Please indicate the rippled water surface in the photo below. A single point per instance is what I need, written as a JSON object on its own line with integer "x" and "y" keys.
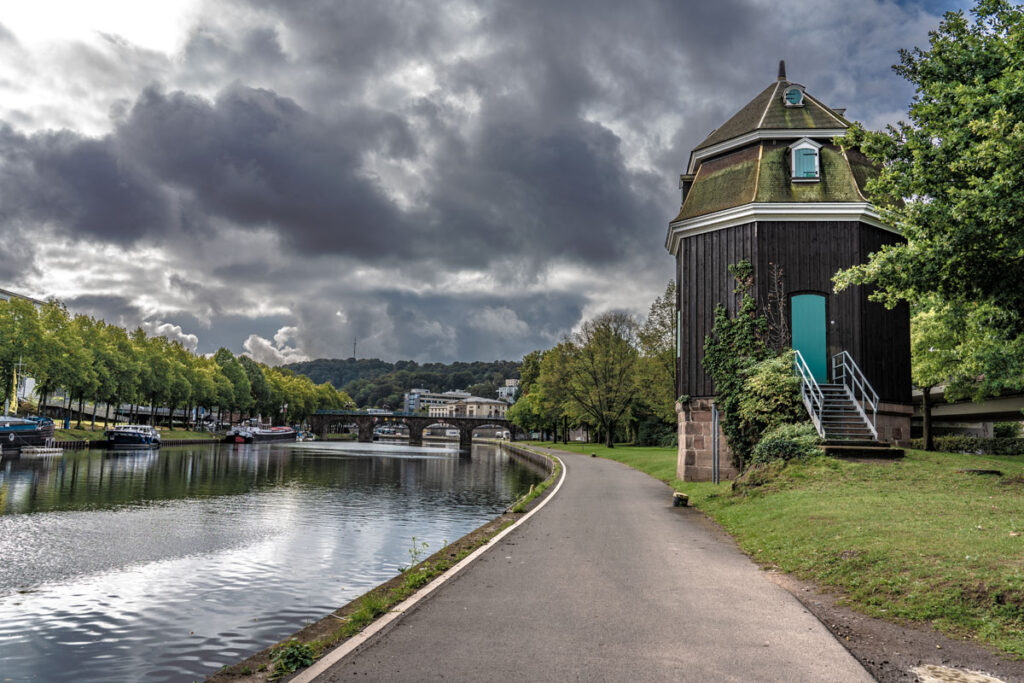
{"x": 165, "y": 566}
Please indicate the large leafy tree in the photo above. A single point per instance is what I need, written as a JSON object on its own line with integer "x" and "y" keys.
{"x": 20, "y": 333}
{"x": 657, "y": 366}
{"x": 602, "y": 359}
{"x": 951, "y": 178}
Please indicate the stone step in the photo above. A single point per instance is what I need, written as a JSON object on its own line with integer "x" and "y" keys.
{"x": 876, "y": 451}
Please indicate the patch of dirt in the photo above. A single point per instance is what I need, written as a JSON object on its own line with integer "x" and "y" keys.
{"x": 890, "y": 652}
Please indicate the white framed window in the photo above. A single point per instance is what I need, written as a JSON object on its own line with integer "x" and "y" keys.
{"x": 805, "y": 160}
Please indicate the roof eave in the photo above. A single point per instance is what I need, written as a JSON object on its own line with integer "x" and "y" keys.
{"x": 864, "y": 212}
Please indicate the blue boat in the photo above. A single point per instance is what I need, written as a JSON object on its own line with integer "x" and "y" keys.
{"x": 16, "y": 432}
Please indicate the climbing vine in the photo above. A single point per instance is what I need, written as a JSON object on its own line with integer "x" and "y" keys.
{"x": 733, "y": 348}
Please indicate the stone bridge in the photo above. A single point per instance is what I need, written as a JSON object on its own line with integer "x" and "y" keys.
{"x": 324, "y": 422}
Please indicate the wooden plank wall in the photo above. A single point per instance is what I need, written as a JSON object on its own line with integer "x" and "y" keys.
{"x": 809, "y": 253}
{"x": 885, "y": 334}
{"x": 704, "y": 282}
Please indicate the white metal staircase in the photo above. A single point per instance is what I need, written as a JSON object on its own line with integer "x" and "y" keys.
{"x": 845, "y": 410}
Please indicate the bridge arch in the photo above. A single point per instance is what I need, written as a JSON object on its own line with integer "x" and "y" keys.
{"x": 323, "y": 420}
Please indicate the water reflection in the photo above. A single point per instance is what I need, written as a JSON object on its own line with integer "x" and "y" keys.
{"x": 167, "y": 565}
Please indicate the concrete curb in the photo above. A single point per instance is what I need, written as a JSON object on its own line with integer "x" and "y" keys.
{"x": 384, "y": 623}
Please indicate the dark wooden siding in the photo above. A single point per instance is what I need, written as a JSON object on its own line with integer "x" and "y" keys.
{"x": 885, "y": 334}
{"x": 809, "y": 253}
{"x": 704, "y": 282}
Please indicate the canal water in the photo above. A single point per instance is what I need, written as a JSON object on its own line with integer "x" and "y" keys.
{"x": 167, "y": 565}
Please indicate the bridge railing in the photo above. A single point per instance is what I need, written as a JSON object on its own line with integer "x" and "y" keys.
{"x": 364, "y": 413}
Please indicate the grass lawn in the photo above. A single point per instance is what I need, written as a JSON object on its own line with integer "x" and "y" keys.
{"x": 912, "y": 540}
{"x": 86, "y": 434}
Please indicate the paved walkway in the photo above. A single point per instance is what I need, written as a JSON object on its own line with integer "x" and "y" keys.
{"x": 608, "y": 582}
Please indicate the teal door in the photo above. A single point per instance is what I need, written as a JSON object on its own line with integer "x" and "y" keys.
{"x": 808, "y": 320}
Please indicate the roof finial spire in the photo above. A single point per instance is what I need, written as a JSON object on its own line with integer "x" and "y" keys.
{"x": 782, "y": 69}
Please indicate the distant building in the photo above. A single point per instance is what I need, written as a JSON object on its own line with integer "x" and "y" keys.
{"x": 417, "y": 400}
{"x": 507, "y": 393}
{"x": 472, "y": 406}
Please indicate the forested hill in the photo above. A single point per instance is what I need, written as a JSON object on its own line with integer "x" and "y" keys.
{"x": 375, "y": 383}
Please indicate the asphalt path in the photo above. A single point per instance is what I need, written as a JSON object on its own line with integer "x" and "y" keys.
{"x": 608, "y": 582}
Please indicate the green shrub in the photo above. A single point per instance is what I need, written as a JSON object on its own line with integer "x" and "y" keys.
{"x": 786, "y": 442}
{"x": 291, "y": 657}
{"x": 975, "y": 445}
{"x": 1006, "y": 430}
{"x": 771, "y": 394}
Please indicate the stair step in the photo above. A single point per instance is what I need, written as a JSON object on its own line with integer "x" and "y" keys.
{"x": 876, "y": 451}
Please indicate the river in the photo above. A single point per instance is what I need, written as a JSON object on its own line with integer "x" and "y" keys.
{"x": 167, "y": 565}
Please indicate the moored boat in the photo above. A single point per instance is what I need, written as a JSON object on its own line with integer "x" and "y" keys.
{"x": 16, "y": 432}
{"x": 259, "y": 434}
{"x": 132, "y": 436}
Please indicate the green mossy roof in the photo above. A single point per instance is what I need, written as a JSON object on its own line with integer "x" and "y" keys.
{"x": 761, "y": 173}
{"x": 768, "y": 111}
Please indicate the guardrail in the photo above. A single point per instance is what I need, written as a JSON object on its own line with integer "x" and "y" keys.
{"x": 845, "y": 371}
{"x": 810, "y": 392}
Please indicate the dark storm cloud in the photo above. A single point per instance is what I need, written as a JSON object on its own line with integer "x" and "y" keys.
{"x": 417, "y": 140}
{"x": 261, "y": 161}
{"x": 116, "y": 310}
{"x": 80, "y": 184}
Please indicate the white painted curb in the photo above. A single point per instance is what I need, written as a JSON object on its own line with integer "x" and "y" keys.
{"x": 355, "y": 642}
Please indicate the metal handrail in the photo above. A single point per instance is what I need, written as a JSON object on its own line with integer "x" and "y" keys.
{"x": 845, "y": 371}
{"x": 810, "y": 392}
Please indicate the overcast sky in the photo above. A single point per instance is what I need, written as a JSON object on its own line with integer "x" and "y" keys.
{"x": 439, "y": 180}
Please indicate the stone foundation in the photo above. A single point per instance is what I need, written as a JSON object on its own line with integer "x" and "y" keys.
{"x": 893, "y": 423}
{"x": 695, "y": 460}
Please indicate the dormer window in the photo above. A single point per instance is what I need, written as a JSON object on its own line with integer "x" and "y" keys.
{"x": 793, "y": 95}
{"x": 805, "y": 160}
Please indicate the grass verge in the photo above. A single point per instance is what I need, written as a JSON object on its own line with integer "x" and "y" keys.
{"x": 86, "y": 434}
{"x": 912, "y": 540}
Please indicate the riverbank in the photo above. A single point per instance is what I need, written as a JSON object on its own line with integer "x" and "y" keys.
{"x": 920, "y": 540}
{"x": 328, "y": 633}
{"x": 97, "y": 434}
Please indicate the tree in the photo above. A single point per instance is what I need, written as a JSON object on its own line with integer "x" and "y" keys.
{"x": 656, "y": 371}
{"x": 933, "y": 360}
{"x": 20, "y": 334}
{"x": 551, "y": 389}
{"x": 241, "y": 396}
{"x": 951, "y": 178}
{"x": 49, "y": 365}
{"x": 602, "y": 359}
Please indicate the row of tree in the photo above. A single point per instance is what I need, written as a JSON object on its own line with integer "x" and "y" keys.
{"x": 615, "y": 377}
{"x": 91, "y": 360}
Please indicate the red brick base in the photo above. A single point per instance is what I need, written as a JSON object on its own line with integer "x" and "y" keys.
{"x": 695, "y": 460}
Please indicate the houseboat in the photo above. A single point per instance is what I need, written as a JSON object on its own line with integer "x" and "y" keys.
{"x": 132, "y": 436}
{"x": 259, "y": 434}
{"x": 16, "y": 432}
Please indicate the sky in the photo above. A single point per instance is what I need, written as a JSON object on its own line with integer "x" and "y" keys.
{"x": 434, "y": 181}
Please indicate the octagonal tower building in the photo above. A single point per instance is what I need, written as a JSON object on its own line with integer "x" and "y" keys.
{"x": 771, "y": 185}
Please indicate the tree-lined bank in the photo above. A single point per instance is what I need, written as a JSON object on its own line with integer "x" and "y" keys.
{"x": 92, "y": 360}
